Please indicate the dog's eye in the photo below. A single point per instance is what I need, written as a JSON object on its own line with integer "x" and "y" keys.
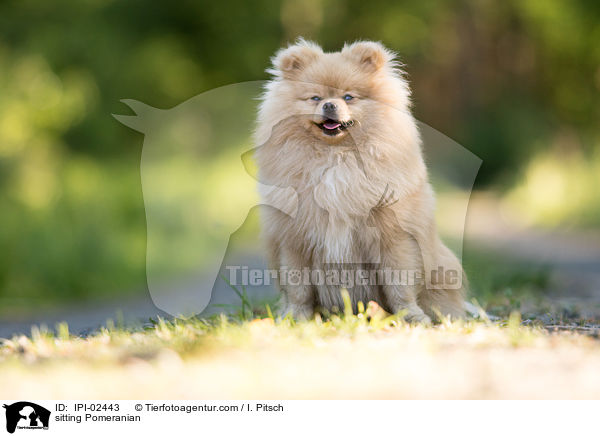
{"x": 315, "y": 98}
{"x": 348, "y": 97}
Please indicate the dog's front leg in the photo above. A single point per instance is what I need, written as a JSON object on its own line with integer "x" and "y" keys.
{"x": 401, "y": 288}
{"x": 401, "y": 258}
{"x": 298, "y": 297}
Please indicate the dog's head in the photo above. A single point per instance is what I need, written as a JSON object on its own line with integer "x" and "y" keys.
{"x": 333, "y": 97}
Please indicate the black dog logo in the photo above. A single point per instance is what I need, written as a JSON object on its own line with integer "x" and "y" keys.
{"x": 26, "y": 415}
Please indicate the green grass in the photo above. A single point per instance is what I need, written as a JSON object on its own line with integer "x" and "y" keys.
{"x": 558, "y": 189}
{"x": 502, "y": 285}
{"x": 251, "y": 354}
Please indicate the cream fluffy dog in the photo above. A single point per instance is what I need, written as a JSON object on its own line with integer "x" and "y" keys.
{"x": 337, "y": 128}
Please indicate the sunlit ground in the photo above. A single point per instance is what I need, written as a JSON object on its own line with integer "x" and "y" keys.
{"x": 371, "y": 355}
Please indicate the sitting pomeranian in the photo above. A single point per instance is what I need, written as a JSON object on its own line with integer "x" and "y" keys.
{"x": 337, "y": 128}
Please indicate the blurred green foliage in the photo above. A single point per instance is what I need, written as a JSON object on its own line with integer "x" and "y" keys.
{"x": 505, "y": 79}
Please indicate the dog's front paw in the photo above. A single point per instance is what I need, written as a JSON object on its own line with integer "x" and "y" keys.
{"x": 418, "y": 318}
{"x": 412, "y": 313}
{"x": 299, "y": 312}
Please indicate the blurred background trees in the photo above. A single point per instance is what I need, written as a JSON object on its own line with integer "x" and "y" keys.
{"x": 516, "y": 82}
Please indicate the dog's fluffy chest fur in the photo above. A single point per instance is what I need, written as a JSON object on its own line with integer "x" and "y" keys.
{"x": 335, "y": 199}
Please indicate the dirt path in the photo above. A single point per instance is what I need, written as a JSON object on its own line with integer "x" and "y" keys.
{"x": 572, "y": 257}
{"x": 136, "y": 309}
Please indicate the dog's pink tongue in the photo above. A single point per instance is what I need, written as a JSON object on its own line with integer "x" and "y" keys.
{"x": 331, "y": 125}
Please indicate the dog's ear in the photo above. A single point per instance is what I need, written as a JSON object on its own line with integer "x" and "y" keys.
{"x": 289, "y": 62}
{"x": 370, "y": 55}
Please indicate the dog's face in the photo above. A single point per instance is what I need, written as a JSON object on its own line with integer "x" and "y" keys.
{"x": 333, "y": 111}
{"x": 334, "y": 98}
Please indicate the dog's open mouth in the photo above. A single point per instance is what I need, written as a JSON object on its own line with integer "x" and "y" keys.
{"x": 334, "y": 127}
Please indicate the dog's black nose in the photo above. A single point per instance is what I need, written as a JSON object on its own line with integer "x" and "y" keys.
{"x": 329, "y": 107}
